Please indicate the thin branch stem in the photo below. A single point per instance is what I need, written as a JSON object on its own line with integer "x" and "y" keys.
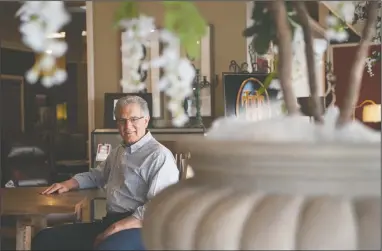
{"x": 317, "y": 28}
{"x": 303, "y": 16}
{"x": 357, "y": 68}
{"x": 284, "y": 38}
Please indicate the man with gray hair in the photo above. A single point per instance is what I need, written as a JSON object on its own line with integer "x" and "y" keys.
{"x": 133, "y": 173}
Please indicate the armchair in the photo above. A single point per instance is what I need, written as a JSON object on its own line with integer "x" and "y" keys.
{"x": 27, "y": 162}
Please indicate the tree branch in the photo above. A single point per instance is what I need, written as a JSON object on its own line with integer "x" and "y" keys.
{"x": 303, "y": 16}
{"x": 318, "y": 30}
{"x": 358, "y": 66}
{"x": 284, "y": 40}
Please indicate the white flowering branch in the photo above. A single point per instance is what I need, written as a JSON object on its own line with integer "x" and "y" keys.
{"x": 344, "y": 11}
{"x": 371, "y": 61}
{"x": 39, "y": 20}
{"x": 178, "y": 73}
{"x": 177, "y": 78}
{"x": 352, "y": 92}
{"x": 135, "y": 37}
{"x": 361, "y": 14}
{"x": 369, "y": 66}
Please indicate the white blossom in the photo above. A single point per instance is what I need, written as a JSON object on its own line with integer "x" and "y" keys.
{"x": 31, "y": 76}
{"x": 341, "y": 36}
{"x": 275, "y": 84}
{"x": 331, "y": 20}
{"x": 320, "y": 46}
{"x": 60, "y": 76}
{"x": 345, "y": 9}
{"x": 336, "y": 35}
{"x": 369, "y": 66}
{"x": 47, "y": 62}
{"x": 180, "y": 120}
{"x": 136, "y": 35}
{"x": 39, "y": 19}
{"x": 299, "y": 66}
{"x": 178, "y": 75}
{"x": 47, "y": 81}
{"x": 360, "y": 17}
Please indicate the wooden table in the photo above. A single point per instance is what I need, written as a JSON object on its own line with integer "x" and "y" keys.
{"x": 31, "y": 208}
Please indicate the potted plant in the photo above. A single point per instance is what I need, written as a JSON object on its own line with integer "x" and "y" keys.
{"x": 279, "y": 184}
{"x": 274, "y": 184}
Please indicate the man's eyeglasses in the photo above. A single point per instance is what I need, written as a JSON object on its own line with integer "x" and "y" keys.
{"x": 133, "y": 120}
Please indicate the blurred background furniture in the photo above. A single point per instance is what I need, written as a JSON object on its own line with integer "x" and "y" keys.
{"x": 27, "y": 161}
{"x": 70, "y": 155}
{"x": 40, "y": 160}
{"x": 371, "y": 112}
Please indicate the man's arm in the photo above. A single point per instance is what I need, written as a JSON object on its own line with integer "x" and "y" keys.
{"x": 93, "y": 178}
{"x": 163, "y": 173}
{"x": 96, "y": 177}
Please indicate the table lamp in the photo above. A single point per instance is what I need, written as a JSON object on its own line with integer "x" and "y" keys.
{"x": 371, "y": 111}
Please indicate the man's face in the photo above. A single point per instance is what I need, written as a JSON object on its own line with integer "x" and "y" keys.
{"x": 131, "y": 123}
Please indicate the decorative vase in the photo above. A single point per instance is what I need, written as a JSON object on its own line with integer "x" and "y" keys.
{"x": 284, "y": 196}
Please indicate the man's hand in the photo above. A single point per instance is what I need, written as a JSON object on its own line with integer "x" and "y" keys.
{"x": 62, "y": 187}
{"x": 124, "y": 224}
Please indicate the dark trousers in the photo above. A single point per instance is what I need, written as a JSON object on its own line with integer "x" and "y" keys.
{"x": 81, "y": 236}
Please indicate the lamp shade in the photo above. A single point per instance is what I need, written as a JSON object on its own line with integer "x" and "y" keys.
{"x": 371, "y": 113}
{"x": 61, "y": 111}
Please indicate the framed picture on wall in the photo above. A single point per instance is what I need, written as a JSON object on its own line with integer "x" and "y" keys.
{"x": 240, "y": 92}
{"x": 111, "y": 99}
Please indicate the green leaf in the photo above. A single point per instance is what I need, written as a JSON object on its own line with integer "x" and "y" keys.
{"x": 259, "y": 10}
{"x": 267, "y": 82}
{"x": 34, "y": 17}
{"x": 261, "y": 45}
{"x": 283, "y": 108}
{"x": 264, "y": 25}
{"x": 183, "y": 19}
{"x": 128, "y": 10}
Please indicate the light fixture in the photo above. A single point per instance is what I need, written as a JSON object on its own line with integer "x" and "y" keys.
{"x": 57, "y": 35}
{"x": 371, "y": 111}
{"x": 61, "y": 111}
{"x": 63, "y": 34}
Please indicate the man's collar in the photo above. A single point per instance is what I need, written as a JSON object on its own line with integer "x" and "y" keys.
{"x": 132, "y": 148}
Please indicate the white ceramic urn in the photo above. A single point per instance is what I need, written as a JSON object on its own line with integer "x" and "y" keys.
{"x": 268, "y": 196}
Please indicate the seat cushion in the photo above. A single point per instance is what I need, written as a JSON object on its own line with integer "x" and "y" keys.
{"x": 31, "y": 176}
{"x": 32, "y": 183}
{"x": 58, "y": 219}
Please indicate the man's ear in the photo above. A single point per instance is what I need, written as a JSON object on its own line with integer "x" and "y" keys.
{"x": 147, "y": 119}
